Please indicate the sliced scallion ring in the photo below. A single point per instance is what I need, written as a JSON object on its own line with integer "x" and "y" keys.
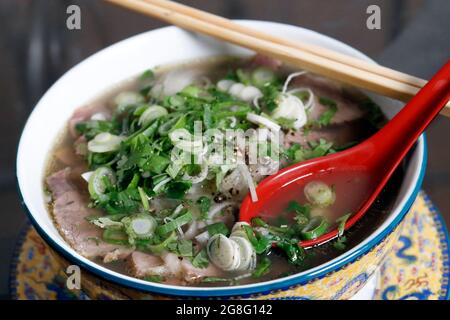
{"x": 126, "y": 98}
{"x": 99, "y": 180}
{"x": 152, "y": 113}
{"x": 176, "y": 101}
{"x": 141, "y": 226}
{"x": 315, "y": 228}
{"x": 262, "y": 76}
{"x": 191, "y": 91}
{"x": 320, "y": 194}
{"x": 105, "y": 142}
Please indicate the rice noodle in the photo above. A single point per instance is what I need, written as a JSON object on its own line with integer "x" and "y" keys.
{"x": 263, "y": 121}
{"x": 217, "y": 208}
{"x": 191, "y": 230}
{"x": 289, "y": 79}
{"x": 310, "y": 101}
{"x": 177, "y": 80}
{"x": 256, "y": 103}
{"x": 251, "y": 184}
{"x": 178, "y": 209}
{"x": 291, "y": 107}
{"x": 203, "y": 238}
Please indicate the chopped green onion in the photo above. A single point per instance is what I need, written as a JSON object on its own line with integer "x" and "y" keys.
{"x": 201, "y": 260}
{"x": 134, "y": 182}
{"x": 342, "y": 221}
{"x": 262, "y": 268}
{"x": 340, "y": 243}
{"x": 295, "y": 253}
{"x": 296, "y": 207}
{"x": 326, "y": 117}
{"x": 218, "y": 228}
{"x": 262, "y": 76}
{"x": 185, "y": 248}
{"x": 175, "y": 224}
{"x": 259, "y": 222}
{"x": 141, "y": 226}
{"x": 156, "y": 164}
{"x": 215, "y": 279}
{"x": 152, "y": 113}
{"x": 144, "y": 199}
{"x": 158, "y": 248}
{"x": 259, "y": 243}
{"x": 154, "y": 278}
{"x": 147, "y": 74}
{"x": 105, "y": 142}
{"x": 115, "y": 235}
{"x": 320, "y": 194}
{"x": 105, "y": 222}
{"x": 191, "y": 91}
{"x": 177, "y": 189}
{"x": 205, "y": 205}
{"x": 99, "y": 180}
{"x": 176, "y": 101}
{"x": 316, "y": 227}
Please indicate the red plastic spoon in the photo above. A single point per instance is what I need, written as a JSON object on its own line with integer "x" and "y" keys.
{"x": 367, "y": 166}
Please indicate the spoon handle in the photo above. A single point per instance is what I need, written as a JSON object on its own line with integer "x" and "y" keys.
{"x": 399, "y": 135}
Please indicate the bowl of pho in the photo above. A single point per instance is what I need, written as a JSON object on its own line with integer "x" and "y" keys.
{"x": 134, "y": 163}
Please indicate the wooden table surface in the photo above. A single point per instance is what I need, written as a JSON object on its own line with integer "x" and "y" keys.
{"x": 36, "y": 48}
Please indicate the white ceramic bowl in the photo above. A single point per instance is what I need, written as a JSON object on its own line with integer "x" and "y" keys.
{"x": 128, "y": 58}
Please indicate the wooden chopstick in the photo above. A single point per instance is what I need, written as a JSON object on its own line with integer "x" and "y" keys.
{"x": 316, "y": 50}
{"x": 221, "y": 28}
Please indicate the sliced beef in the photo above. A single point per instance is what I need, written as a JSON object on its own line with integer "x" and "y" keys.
{"x": 70, "y": 210}
{"x": 120, "y": 253}
{"x": 193, "y": 274}
{"x": 141, "y": 265}
{"x": 347, "y": 109}
{"x": 260, "y": 60}
{"x": 85, "y": 113}
{"x": 339, "y": 134}
{"x": 177, "y": 270}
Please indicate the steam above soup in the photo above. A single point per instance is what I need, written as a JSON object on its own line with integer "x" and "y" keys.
{"x": 148, "y": 178}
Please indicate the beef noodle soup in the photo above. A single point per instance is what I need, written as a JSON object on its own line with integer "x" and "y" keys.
{"x": 147, "y": 180}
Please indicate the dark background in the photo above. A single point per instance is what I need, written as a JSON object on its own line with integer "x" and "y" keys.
{"x": 36, "y": 48}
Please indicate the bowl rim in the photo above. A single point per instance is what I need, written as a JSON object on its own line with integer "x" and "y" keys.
{"x": 243, "y": 290}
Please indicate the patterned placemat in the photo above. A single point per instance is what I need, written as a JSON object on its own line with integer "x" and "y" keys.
{"x": 417, "y": 268}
